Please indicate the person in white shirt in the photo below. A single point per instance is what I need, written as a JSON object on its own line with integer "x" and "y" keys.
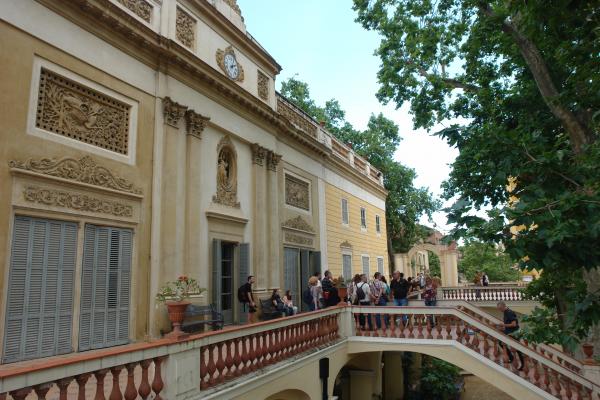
{"x": 362, "y": 297}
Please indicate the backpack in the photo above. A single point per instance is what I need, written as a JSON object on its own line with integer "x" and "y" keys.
{"x": 360, "y": 293}
{"x": 307, "y": 296}
{"x": 242, "y": 295}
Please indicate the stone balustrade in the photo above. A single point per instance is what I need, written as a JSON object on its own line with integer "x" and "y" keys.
{"x": 207, "y": 362}
{"x": 483, "y": 293}
{"x": 560, "y": 380}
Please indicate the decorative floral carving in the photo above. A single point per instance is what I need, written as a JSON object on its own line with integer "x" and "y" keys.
{"x": 293, "y": 238}
{"x": 234, "y": 5}
{"x": 79, "y": 202}
{"x": 346, "y": 244}
{"x": 185, "y": 28}
{"x": 195, "y": 123}
{"x": 298, "y": 223}
{"x": 272, "y": 160}
{"x": 84, "y": 170}
{"x": 258, "y": 154}
{"x": 70, "y": 109}
{"x": 297, "y": 192}
{"x": 141, "y": 8}
{"x": 263, "y": 86}
{"x": 173, "y": 112}
{"x": 220, "y": 57}
{"x": 226, "y": 174}
{"x": 296, "y": 118}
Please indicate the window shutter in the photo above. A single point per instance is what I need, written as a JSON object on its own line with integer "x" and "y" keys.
{"x": 40, "y": 291}
{"x": 105, "y": 285}
{"x": 316, "y": 262}
{"x": 380, "y": 265}
{"x": 347, "y": 266}
{"x": 345, "y": 211}
{"x": 304, "y": 268}
{"x": 216, "y": 274}
{"x": 365, "y": 265}
{"x": 290, "y": 274}
{"x": 243, "y": 273}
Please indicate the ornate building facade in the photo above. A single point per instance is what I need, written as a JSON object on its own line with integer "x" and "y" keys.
{"x": 143, "y": 140}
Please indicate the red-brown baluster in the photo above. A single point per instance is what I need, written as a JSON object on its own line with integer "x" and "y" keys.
{"x": 557, "y": 388}
{"x": 525, "y": 368}
{"x": 448, "y": 322}
{"x": 203, "y": 368}
{"x": 130, "y": 390}
{"x": 245, "y": 354}
{"x": 578, "y": 390}
{"x": 402, "y": 322}
{"x": 157, "y": 383}
{"x": 63, "y": 387}
{"x": 428, "y": 328}
{"x": 237, "y": 358}
{"x": 229, "y": 360}
{"x": 475, "y": 340}
{"x": 535, "y": 376}
{"x": 567, "y": 386}
{"x": 3, "y": 396}
{"x": 145, "y": 389}
{"x": 485, "y": 350}
{"x": 81, "y": 381}
{"x": 546, "y": 379}
{"x": 41, "y": 390}
{"x": 411, "y": 330}
{"x": 438, "y": 327}
{"x": 220, "y": 363}
{"x": 279, "y": 342}
{"x": 255, "y": 351}
{"x": 115, "y": 393}
{"x": 20, "y": 394}
{"x": 100, "y": 374}
{"x": 211, "y": 365}
{"x": 392, "y": 326}
{"x": 267, "y": 348}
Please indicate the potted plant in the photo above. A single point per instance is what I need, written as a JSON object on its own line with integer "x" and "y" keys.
{"x": 342, "y": 288}
{"x": 174, "y": 295}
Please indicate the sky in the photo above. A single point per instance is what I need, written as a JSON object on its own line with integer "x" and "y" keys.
{"x": 319, "y": 41}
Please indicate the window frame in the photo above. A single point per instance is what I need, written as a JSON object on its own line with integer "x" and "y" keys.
{"x": 363, "y": 221}
{"x": 378, "y": 224}
{"x": 347, "y": 221}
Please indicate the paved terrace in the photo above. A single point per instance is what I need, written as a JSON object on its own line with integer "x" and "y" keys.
{"x": 214, "y": 364}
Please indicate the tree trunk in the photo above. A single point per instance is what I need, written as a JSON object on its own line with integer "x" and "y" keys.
{"x": 592, "y": 278}
{"x": 391, "y": 261}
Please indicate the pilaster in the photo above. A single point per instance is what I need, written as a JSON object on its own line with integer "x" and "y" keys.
{"x": 260, "y": 240}
{"x": 273, "y": 214}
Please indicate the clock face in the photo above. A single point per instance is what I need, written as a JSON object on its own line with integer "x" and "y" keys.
{"x": 231, "y": 66}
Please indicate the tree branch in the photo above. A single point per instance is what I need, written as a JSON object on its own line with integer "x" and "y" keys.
{"x": 578, "y": 133}
{"x": 453, "y": 83}
{"x": 532, "y": 158}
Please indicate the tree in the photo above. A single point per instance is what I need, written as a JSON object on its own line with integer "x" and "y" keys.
{"x": 435, "y": 268}
{"x": 438, "y": 379}
{"x": 405, "y": 203}
{"x": 488, "y": 258}
{"x": 524, "y": 76}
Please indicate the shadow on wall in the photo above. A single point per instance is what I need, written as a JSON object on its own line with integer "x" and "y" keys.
{"x": 291, "y": 394}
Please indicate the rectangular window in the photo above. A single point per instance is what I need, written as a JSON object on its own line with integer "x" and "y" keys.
{"x": 365, "y": 265}
{"x": 347, "y": 266}
{"x": 105, "y": 287}
{"x": 380, "y": 265}
{"x": 345, "y": 216}
{"x": 378, "y": 224}
{"x": 39, "y": 308}
{"x": 363, "y": 217}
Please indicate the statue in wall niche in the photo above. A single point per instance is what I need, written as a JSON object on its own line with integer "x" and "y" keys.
{"x": 226, "y": 174}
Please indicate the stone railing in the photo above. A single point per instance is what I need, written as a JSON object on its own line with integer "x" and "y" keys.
{"x": 451, "y": 323}
{"x": 483, "y": 293}
{"x": 297, "y": 117}
{"x": 204, "y": 364}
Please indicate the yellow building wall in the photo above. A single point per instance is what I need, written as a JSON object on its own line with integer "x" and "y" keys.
{"x": 363, "y": 242}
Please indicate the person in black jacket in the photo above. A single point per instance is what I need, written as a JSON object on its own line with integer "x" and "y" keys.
{"x": 510, "y": 327}
{"x": 330, "y": 293}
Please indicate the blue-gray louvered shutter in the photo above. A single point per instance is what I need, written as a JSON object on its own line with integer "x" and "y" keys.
{"x": 216, "y": 274}
{"x": 106, "y": 277}
{"x": 290, "y": 273}
{"x": 347, "y": 266}
{"x": 39, "y": 308}
{"x": 304, "y": 268}
{"x": 243, "y": 273}
{"x": 316, "y": 262}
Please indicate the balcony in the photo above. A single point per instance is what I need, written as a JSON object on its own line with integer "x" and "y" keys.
{"x": 240, "y": 360}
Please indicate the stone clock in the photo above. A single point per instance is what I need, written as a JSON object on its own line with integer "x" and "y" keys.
{"x": 229, "y": 64}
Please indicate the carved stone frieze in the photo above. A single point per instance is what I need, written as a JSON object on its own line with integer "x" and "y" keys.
{"x": 173, "y": 112}
{"x": 298, "y": 223}
{"x": 84, "y": 170}
{"x": 70, "y": 109}
{"x": 141, "y": 8}
{"x": 195, "y": 123}
{"x": 296, "y": 118}
{"x": 76, "y": 201}
{"x": 297, "y": 192}
{"x": 185, "y": 28}
{"x": 263, "y": 86}
{"x": 226, "y": 174}
{"x": 298, "y": 239}
{"x": 234, "y": 5}
{"x": 258, "y": 154}
{"x": 272, "y": 161}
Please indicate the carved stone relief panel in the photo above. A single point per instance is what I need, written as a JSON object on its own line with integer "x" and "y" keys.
{"x": 185, "y": 28}
{"x": 141, "y": 8}
{"x": 76, "y": 201}
{"x": 297, "y": 192}
{"x": 84, "y": 170}
{"x": 298, "y": 239}
{"x": 226, "y": 174}
{"x": 70, "y": 109}
{"x": 263, "y": 86}
{"x": 298, "y": 223}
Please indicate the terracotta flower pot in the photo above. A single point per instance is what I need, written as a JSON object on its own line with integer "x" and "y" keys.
{"x": 176, "y": 310}
{"x": 342, "y": 292}
{"x": 588, "y": 350}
